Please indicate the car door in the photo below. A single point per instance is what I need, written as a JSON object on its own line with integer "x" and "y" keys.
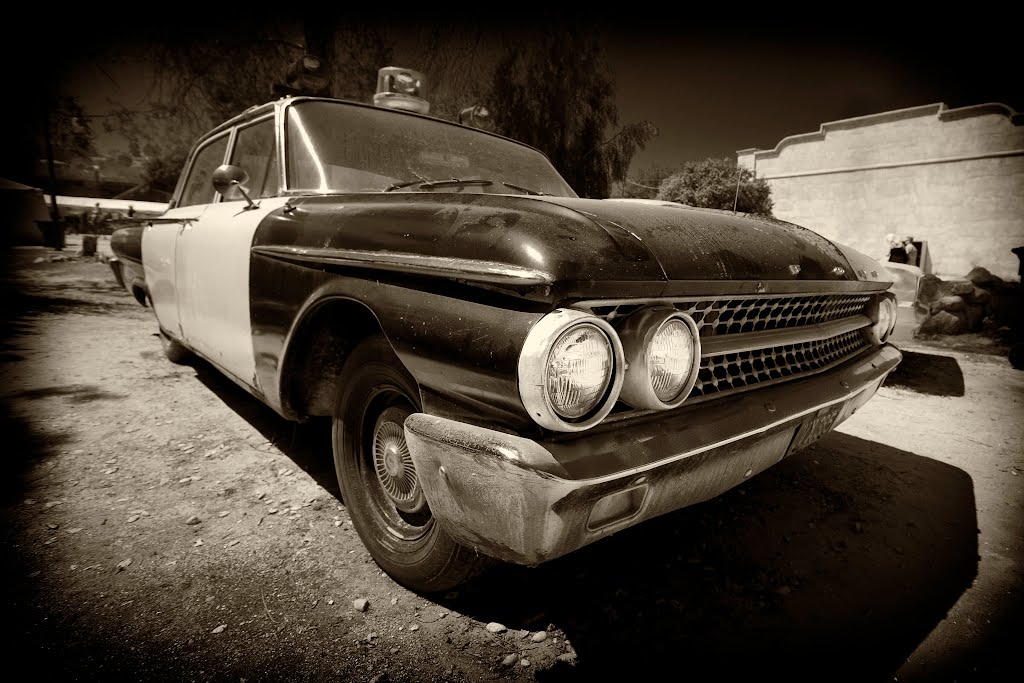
{"x": 160, "y": 238}
{"x": 212, "y": 269}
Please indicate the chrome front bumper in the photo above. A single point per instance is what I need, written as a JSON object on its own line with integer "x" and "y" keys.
{"x": 527, "y": 502}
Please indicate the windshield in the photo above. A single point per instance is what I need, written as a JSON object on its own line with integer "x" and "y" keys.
{"x": 334, "y": 147}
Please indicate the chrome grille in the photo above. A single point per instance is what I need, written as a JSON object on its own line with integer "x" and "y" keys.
{"x": 732, "y": 371}
{"x": 718, "y": 316}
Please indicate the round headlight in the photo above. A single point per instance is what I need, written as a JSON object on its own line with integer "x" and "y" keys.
{"x": 662, "y": 349}
{"x": 883, "y": 313}
{"x": 570, "y": 370}
{"x": 578, "y": 370}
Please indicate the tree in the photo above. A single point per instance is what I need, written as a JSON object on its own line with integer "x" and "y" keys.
{"x": 200, "y": 79}
{"x": 644, "y": 183}
{"x": 711, "y": 183}
{"x": 556, "y": 93}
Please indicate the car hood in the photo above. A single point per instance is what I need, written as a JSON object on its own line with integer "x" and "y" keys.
{"x": 578, "y": 244}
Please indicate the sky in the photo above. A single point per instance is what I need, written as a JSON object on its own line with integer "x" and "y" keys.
{"x": 711, "y": 89}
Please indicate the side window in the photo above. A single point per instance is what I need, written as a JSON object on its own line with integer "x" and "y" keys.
{"x": 256, "y": 153}
{"x": 199, "y": 186}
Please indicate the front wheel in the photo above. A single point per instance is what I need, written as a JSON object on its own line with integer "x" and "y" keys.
{"x": 378, "y": 481}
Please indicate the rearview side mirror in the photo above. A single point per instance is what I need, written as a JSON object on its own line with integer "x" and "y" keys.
{"x": 229, "y": 180}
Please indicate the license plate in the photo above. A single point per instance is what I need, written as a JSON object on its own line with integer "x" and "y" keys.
{"x": 814, "y": 428}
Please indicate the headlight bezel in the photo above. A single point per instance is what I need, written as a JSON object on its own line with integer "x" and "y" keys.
{"x": 637, "y": 333}
{"x": 533, "y": 364}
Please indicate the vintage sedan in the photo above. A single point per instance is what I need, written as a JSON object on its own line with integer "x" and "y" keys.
{"x": 512, "y": 372}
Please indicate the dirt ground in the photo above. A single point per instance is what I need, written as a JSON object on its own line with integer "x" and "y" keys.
{"x": 161, "y": 524}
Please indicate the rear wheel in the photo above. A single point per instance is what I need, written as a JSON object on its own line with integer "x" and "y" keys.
{"x": 377, "y": 478}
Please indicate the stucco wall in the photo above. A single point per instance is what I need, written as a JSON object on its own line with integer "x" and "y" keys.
{"x": 952, "y": 177}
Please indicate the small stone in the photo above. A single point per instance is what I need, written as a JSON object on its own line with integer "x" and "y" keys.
{"x": 524, "y": 662}
{"x": 133, "y": 518}
{"x": 272, "y": 511}
{"x": 184, "y": 480}
{"x": 370, "y": 637}
{"x": 30, "y": 501}
{"x": 539, "y": 636}
{"x": 219, "y": 629}
{"x": 414, "y": 627}
{"x": 510, "y": 660}
{"x": 223, "y": 513}
{"x": 74, "y": 530}
{"x": 337, "y": 522}
{"x": 52, "y": 527}
{"x": 568, "y": 658}
{"x": 261, "y": 495}
{"x": 193, "y": 520}
{"x": 394, "y": 601}
{"x": 198, "y": 542}
{"x": 495, "y": 627}
{"x": 231, "y": 543}
{"x": 123, "y": 564}
{"x": 361, "y": 604}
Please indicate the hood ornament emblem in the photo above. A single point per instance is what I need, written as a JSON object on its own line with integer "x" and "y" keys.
{"x": 794, "y": 268}
{"x": 839, "y": 271}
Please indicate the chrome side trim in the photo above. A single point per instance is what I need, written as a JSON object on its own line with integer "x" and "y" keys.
{"x": 454, "y": 268}
{"x": 749, "y": 341}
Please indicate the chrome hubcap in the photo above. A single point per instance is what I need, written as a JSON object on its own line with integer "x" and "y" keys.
{"x": 394, "y": 468}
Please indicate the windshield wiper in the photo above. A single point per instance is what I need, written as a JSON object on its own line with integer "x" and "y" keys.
{"x": 525, "y": 189}
{"x": 450, "y": 182}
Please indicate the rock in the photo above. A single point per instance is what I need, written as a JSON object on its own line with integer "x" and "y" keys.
{"x": 414, "y": 627}
{"x": 974, "y": 317}
{"x": 198, "y": 542}
{"x": 510, "y": 660}
{"x": 568, "y": 658}
{"x": 539, "y": 636}
{"x": 219, "y": 629}
{"x": 361, "y": 604}
{"x": 942, "y": 322}
{"x": 961, "y": 288}
{"x": 193, "y": 520}
{"x": 951, "y": 303}
{"x": 73, "y": 530}
{"x": 38, "y": 259}
{"x": 394, "y": 601}
{"x": 231, "y": 543}
{"x": 133, "y": 518}
{"x": 981, "y": 277}
{"x": 979, "y": 296}
{"x": 261, "y": 495}
{"x": 524, "y": 662}
{"x": 223, "y": 513}
{"x": 52, "y": 526}
{"x": 123, "y": 564}
{"x": 495, "y": 627}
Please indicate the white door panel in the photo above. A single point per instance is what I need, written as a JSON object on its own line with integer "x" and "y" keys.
{"x": 159, "y": 248}
{"x": 213, "y": 284}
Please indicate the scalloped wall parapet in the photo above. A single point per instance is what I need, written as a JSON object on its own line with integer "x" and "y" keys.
{"x": 929, "y": 133}
{"x": 953, "y": 177}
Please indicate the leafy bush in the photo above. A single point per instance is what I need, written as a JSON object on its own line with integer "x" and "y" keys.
{"x": 711, "y": 183}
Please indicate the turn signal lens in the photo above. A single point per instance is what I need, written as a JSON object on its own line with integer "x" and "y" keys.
{"x": 670, "y": 359}
{"x": 579, "y": 369}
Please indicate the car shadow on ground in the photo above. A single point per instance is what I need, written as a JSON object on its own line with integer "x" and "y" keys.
{"x": 928, "y": 373}
{"x": 833, "y": 565}
{"x": 308, "y": 444}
